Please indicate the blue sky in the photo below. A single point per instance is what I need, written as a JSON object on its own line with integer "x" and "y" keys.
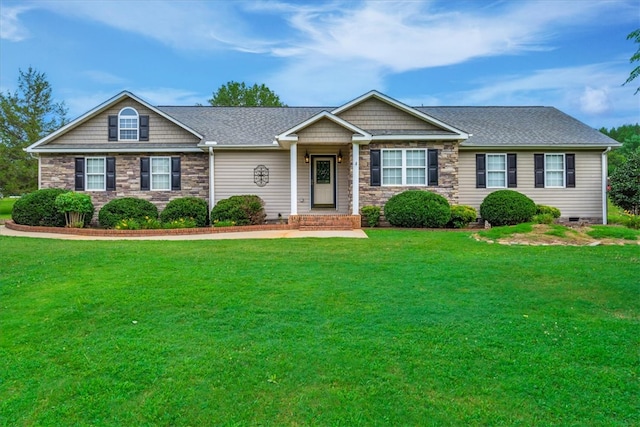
{"x": 570, "y": 54}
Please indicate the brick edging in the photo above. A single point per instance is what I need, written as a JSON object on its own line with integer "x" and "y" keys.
{"x": 133, "y": 233}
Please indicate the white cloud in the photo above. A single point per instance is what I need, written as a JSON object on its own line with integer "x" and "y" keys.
{"x": 10, "y": 26}
{"x": 595, "y": 101}
{"x": 103, "y": 77}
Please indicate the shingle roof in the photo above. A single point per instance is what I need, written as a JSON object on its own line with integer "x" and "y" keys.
{"x": 489, "y": 126}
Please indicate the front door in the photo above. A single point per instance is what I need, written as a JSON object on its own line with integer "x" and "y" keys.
{"x": 323, "y": 182}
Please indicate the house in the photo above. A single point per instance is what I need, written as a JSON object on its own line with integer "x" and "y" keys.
{"x": 320, "y": 163}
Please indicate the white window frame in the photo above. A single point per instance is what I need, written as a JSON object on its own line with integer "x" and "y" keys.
{"x": 495, "y": 171}
{"x": 103, "y": 174}
{"x": 547, "y": 170}
{"x": 403, "y": 167}
{"x": 152, "y": 174}
{"x": 128, "y": 128}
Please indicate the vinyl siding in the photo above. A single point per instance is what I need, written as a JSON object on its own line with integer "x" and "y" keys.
{"x": 325, "y": 132}
{"x": 234, "y": 176}
{"x": 95, "y": 130}
{"x": 304, "y": 179}
{"x": 585, "y": 200}
{"x": 374, "y": 114}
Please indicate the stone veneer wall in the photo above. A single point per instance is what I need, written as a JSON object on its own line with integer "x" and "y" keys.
{"x": 447, "y": 173}
{"x": 58, "y": 172}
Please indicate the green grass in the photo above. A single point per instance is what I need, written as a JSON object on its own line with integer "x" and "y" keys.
{"x": 506, "y": 230}
{"x": 613, "y": 232}
{"x": 6, "y": 206}
{"x": 403, "y": 328}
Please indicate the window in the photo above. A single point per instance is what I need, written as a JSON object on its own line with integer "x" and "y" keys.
{"x": 404, "y": 167}
{"x": 554, "y": 170}
{"x": 95, "y": 174}
{"x": 496, "y": 170}
{"x": 128, "y": 124}
{"x": 160, "y": 173}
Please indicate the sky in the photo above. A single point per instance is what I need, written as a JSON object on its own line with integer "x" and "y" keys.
{"x": 569, "y": 54}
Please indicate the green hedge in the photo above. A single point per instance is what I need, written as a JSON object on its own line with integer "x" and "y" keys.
{"x": 126, "y": 208}
{"x": 39, "y": 209}
{"x": 507, "y": 207}
{"x": 243, "y": 210}
{"x": 461, "y": 216}
{"x": 416, "y": 209}
{"x": 185, "y": 208}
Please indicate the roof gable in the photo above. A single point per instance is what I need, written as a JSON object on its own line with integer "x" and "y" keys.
{"x": 291, "y": 135}
{"x": 100, "y": 109}
{"x": 387, "y": 118}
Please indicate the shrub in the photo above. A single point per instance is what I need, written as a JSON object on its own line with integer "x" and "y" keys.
{"x": 243, "y": 210}
{"x": 76, "y": 207}
{"x": 461, "y": 216}
{"x": 372, "y": 213}
{"x": 417, "y": 208}
{"x": 126, "y": 208}
{"x": 180, "y": 223}
{"x": 507, "y": 207}
{"x": 625, "y": 185}
{"x": 225, "y": 223}
{"x": 543, "y": 218}
{"x": 550, "y": 210}
{"x": 38, "y": 208}
{"x": 186, "y": 208}
{"x": 631, "y": 220}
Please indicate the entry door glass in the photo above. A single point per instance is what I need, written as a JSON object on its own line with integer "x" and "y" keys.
{"x": 323, "y": 185}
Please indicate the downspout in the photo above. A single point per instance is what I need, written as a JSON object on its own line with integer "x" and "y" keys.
{"x": 604, "y": 185}
{"x": 211, "y": 179}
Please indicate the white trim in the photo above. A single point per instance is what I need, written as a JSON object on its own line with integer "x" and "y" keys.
{"x": 151, "y": 159}
{"x": 355, "y": 179}
{"x": 99, "y": 109}
{"x": 564, "y": 170}
{"x": 399, "y": 105}
{"x": 505, "y": 171}
{"x": 605, "y": 173}
{"x": 137, "y": 128}
{"x": 86, "y": 173}
{"x": 403, "y": 167}
{"x": 212, "y": 187}
{"x": 423, "y": 137}
{"x": 122, "y": 150}
{"x": 290, "y": 134}
{"x": 293, "y": 172}
{"x": 515, "y": 147}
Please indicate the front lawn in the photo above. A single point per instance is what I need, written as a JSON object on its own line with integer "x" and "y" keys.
{"x": 6, "y": 206}
{"x": 403, "y": 328}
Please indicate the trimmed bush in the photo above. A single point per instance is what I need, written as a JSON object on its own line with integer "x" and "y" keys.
{"x": 126, "y": 208}
{"x": 461, "y": 216}
{"x": 417, "y": 208}
{"x": 548, "y": 210}
{"x": 243, "y": 210}
{"x": 507, "y": 207}
{"x": 39, "y": 209}
{"x": 186, "y": 208}
{"x": 372, "y": 214}
{"x": 76, "y": 207}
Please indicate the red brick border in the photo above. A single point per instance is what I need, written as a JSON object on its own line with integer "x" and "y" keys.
{"x": 133, "y": 233}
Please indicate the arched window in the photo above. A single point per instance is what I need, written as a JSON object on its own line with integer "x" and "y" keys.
{"x": 128, "y": 124}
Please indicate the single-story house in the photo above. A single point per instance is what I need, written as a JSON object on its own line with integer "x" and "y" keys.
{"x": 324, "y": 163}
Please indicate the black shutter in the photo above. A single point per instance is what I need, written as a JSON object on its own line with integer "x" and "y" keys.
{"x": 512, "y": 170}
{"x": 175, "y": 173}
{"x": 570, "y": 166}
{"x": 538, "y": 166}
{"x": 375, "y": 167}
{"x": 144, "y": 128}
{"x": 113, "y": 128}
{"x": 481, "y": 171}
{"x": 111, "y": 173}
{"x": 432, "y": 162}
{"x": 145, "y": 174}
{"x": 79, "y": 173}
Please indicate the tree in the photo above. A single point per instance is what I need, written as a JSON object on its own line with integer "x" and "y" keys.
{"x": 26, "y": 116}
{"x": 635, "y": 36}
{"x": 234, "y": 94}
{"x": 625, "y": 184}
{"x": 629, "y": 136}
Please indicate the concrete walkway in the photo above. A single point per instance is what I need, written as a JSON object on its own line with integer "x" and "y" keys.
{"x": 266, "y": 234}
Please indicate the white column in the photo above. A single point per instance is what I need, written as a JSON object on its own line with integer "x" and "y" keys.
{"x": 355, "y": 181}
{"x": 212, "y": 187}
{"x": 294, "y": 178}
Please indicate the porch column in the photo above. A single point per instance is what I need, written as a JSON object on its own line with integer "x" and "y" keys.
{"x": 355, "y": 180}
{"x": 294, "y": 178}
{"x": 212, "y": 188}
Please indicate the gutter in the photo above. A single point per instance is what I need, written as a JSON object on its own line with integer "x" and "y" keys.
{"x": 604, "y": 185}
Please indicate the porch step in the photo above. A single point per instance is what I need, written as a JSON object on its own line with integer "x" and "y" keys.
{"x": 325, "y": 222}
